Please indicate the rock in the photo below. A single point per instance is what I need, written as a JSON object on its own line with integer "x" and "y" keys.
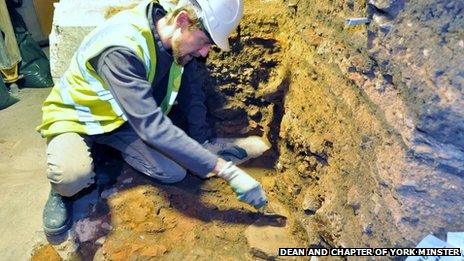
{"x": 100, "y": 241}
{"x": 368, "y": 230}
{"x": 381, "y": 4}
{"x": 66, "y": 247}
{"x": 212, "y": 185}
{"x": 355, "y": 206}
{"x": 410, "y": 186}
{"x": 87, "y": 229}
{"x": 293, "y": 7}
{"x": 384, "y": 183}
{"x": 311, "y": 204}
{"x": 296, "y": 190}
{"x": 410, "y": 220}
{"x": 265, "y": 241}
{"x": 106, "y": 226}
{"x": 72, "y": 21}
{"x": 279, "y": 166}
{"x": 278, "y": 208}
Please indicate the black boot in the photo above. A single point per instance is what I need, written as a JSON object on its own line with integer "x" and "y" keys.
{"x": 57, "y": 214}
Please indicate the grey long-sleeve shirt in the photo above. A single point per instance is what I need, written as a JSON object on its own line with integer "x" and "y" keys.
{"x": 125, "y": 74}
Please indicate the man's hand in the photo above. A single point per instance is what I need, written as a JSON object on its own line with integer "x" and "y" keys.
{"x": 227, "y": 151}
{"x": 247, "y": 188}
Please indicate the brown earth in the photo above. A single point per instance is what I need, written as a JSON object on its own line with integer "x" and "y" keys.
{"x": 340, "y": 161}
{"x": 193, "y": 219}
{"x": 285, "y": 76}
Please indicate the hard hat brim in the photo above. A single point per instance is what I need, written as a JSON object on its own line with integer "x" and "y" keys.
{"x": 221, "y": 42}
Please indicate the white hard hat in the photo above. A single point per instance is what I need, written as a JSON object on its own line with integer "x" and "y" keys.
{"x": 219, "y": 17}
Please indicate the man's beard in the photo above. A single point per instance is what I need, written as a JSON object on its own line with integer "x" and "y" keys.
{"x": 181, "y": 60}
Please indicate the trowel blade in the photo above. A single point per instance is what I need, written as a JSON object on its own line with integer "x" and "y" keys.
{"x": 269, "y": 214}
{"x": 272, "y": 215}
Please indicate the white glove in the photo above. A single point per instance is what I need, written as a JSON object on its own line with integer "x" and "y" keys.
{"x": 247, "y": 188}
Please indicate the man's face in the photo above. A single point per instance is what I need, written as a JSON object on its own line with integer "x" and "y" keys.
{"x": 188, "y": 43}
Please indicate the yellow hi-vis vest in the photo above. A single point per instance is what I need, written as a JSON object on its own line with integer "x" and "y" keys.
{"x": 81, "y": 101}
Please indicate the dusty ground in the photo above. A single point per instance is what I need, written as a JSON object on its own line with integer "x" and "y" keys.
{"x": 137, "y": 218}
{"x": 22, "y": 170}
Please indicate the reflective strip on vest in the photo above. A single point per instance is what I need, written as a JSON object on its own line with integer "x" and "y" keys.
{"x": 97, "y": 87}
{"x": 83, "y": 113}
{"x": 174, "y": 82}
{"x": 172, "y": 99}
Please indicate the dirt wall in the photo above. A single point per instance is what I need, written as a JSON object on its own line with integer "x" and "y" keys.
{"x": 364, "y": 120}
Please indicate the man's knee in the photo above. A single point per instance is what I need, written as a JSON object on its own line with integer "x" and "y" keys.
{"x": 70, "y": 164}
{"x": 69, "y": 178}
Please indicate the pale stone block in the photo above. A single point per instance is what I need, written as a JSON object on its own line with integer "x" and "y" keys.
{"x": 72, "y": 21}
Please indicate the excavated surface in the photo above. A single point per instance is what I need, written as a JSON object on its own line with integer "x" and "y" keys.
{"x": 347, "y": 116}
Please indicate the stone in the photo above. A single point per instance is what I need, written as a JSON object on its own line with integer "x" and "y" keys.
{"x": 87, "y": 229}
{"x": 296, "y": 190}
{"x": 355, "y": 206}
{"x": 310, "y": 204}
{"x": 265, "y": 241}
{"x": 409, "y": 186}
{"x": 100, "y": 241}
{"x": 106, "y": 226}
{"x": 278, "y": 208}
{"x": 72, "y": 21}
{"x": 368, "y": 230}
{"x": 67, "y": 246}
{"x": 381, "y": 4}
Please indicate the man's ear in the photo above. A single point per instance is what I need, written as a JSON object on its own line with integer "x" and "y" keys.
{"x": 183, "y": 20}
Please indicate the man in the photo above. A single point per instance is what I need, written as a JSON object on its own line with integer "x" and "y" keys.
{"x": 120, "y": 86}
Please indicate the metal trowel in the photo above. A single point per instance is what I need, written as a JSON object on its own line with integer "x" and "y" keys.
{"x": 270, "y": 217}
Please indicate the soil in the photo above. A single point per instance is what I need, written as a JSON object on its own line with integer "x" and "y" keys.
{"x": 22, "y": 169}
{"x": 143, "y": 219}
